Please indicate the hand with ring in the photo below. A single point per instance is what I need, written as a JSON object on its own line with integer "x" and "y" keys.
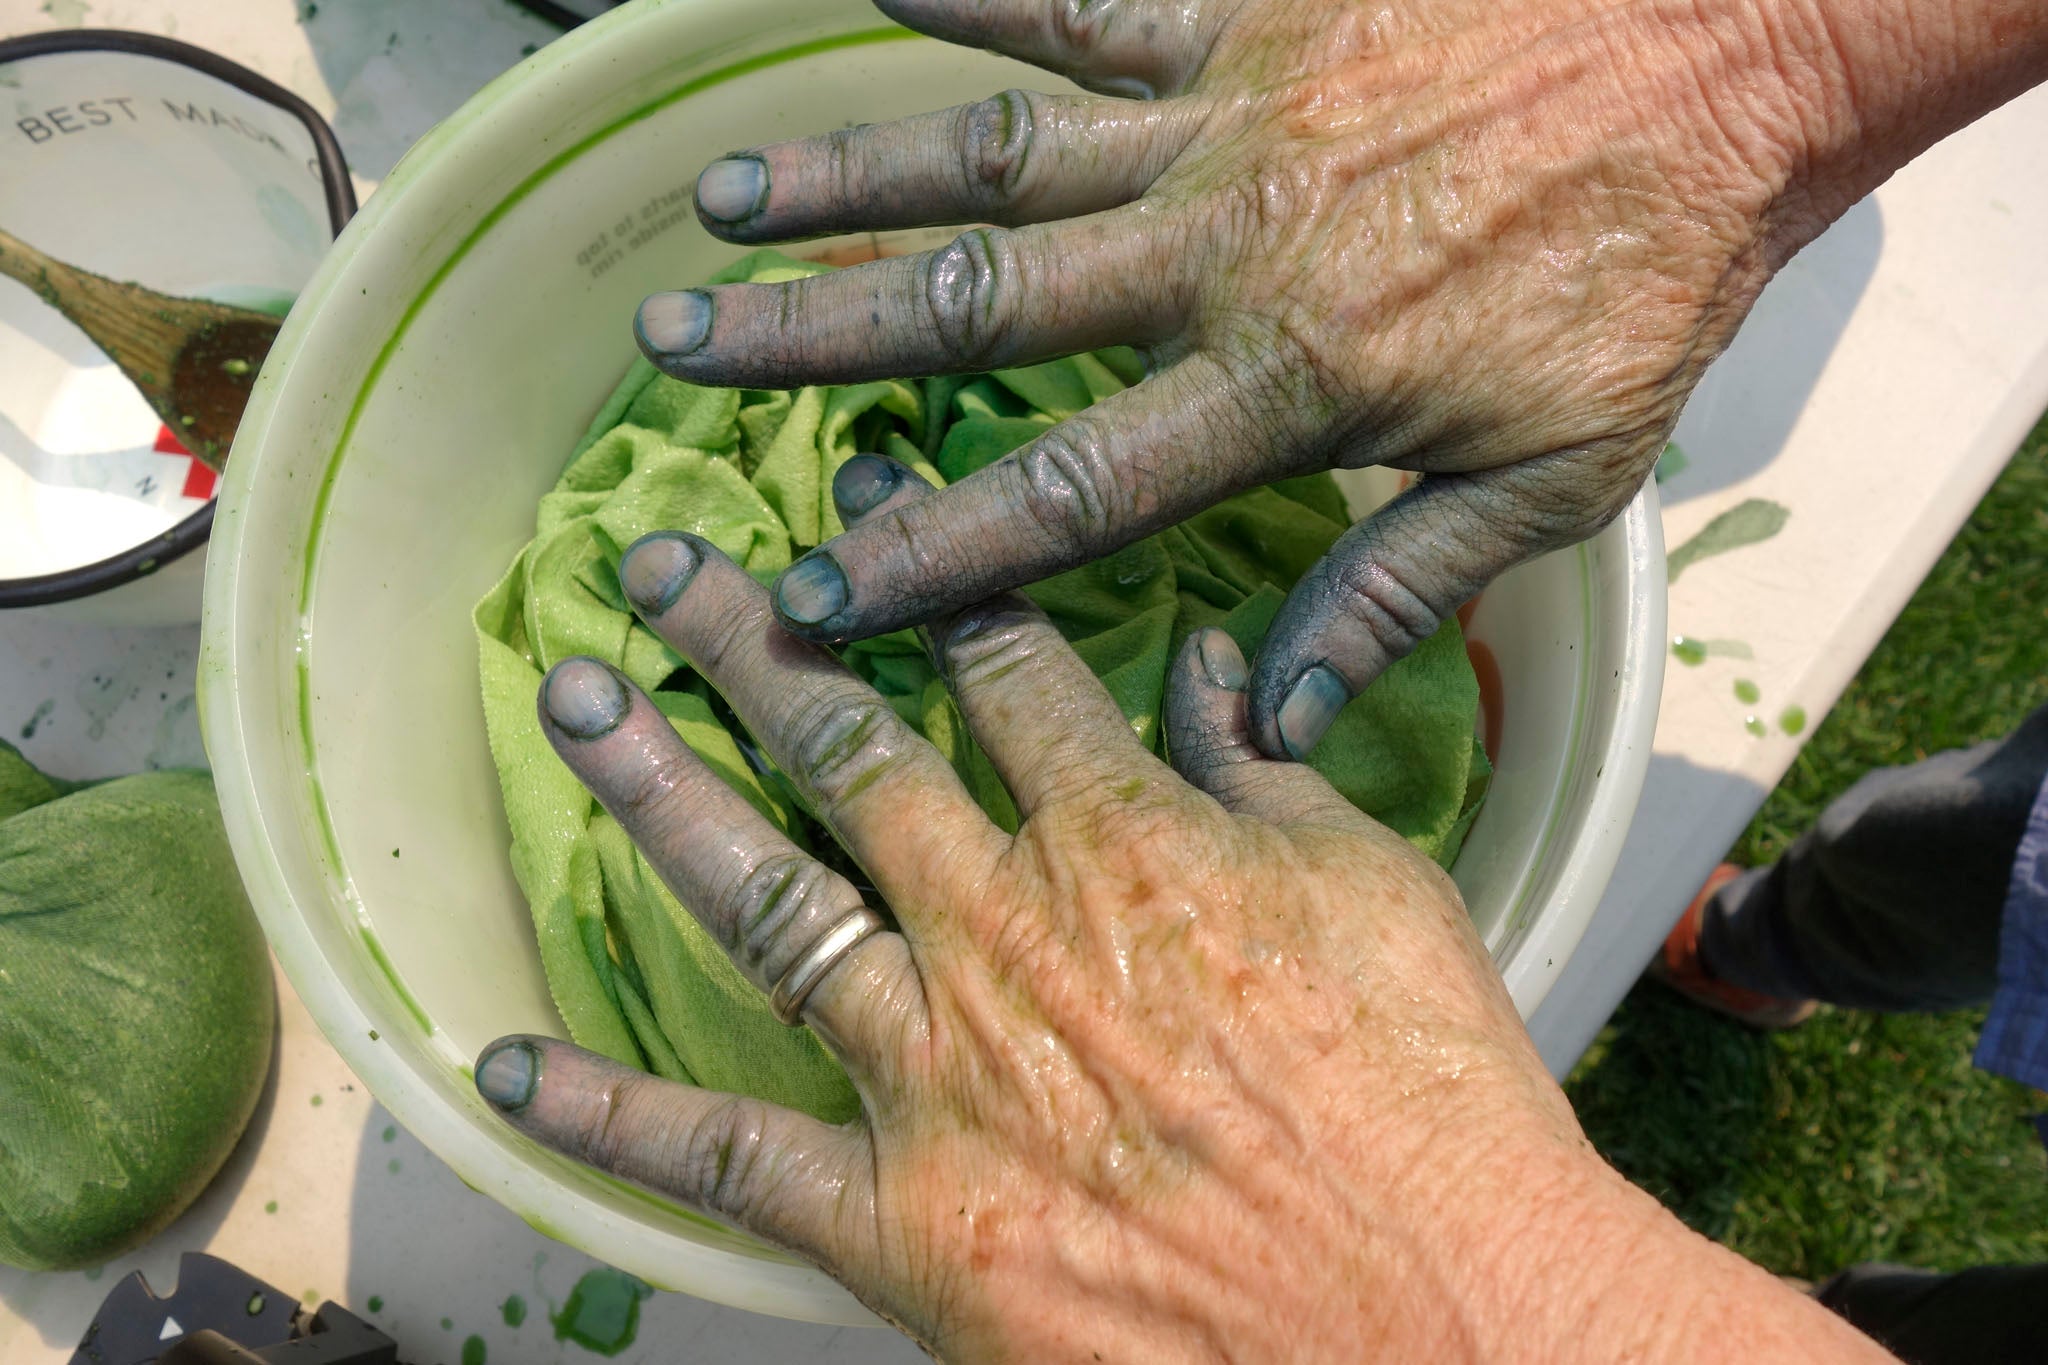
{"x": 1492, "y": 243}
{"x": 1201, "y": 1063}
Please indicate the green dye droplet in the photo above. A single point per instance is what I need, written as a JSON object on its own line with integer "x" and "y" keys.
{"x": 311, "y": 1296}
{"x": 1792, "y": 719}
{"x": 235, "y": 365}
{"x": 447, "y": 1324}
{"x": 373, "y": 1035}
{"x": 1688, "y": 651}
{"x": 390, "y": 1132}
{"x": 392, "y": 1165}
{"x": 317, "y": 1101}
{"x": 1747, "y": 692}
{"x": 376, "y": 1303}
{"x": 1755, "y": 726}
{"x": 95, "y": 1272}
{"x": 254, "y": 1306}
{"x": 603, "y": 1311}
{"x": 472, "y": 1350}
{"x": 271, "y": 1207}
{"x": 514, "y": 1310}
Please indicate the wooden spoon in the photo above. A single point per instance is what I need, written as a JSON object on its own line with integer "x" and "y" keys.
{"x": 193, "y": 360}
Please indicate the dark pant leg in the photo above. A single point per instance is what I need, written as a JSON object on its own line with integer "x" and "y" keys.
{"x": 1996, "y": 1315}
{"x": 1892, "y": 900}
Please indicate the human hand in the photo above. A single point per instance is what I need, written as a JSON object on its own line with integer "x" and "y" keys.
{"x": 1198, "y": 1064}
{"x": 1495, "y": 244}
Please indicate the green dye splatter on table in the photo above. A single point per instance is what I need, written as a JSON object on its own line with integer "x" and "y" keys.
{"x": 1692, "y": 652}
{"x": 271, "y": 1207}
{"x": 1671, "y": 463}
{"x": 376, "y": 1303}
{"x": 390, "y": 1132}
{"x": 1746, "y": 523}
{"x": 1747, "y": 692}
{"x": 513, "y": 1310}
{"x": 1755, "y": 726}
{"x": 603, "y": 1311}
{"x": 472, "y": 1350}
{"x": 1792, "y": 719}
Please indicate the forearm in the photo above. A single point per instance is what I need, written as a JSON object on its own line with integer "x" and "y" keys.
{"x": 1867, "y": 85}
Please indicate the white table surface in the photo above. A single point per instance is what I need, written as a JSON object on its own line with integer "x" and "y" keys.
{"x": 1877, "y": 391}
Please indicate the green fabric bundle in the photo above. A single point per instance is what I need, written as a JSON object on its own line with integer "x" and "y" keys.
{"x": 136, "y": 1009}
{"x": 751, "y": 471}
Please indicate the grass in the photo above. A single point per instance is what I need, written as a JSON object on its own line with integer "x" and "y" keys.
{"x": 1859, "y": 1136}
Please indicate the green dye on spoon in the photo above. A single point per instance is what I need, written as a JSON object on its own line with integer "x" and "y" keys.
{"x": 1792, "y": 719}
{"x": 1747, "y": 692}
{"x": 603, "y": 1311}
{"x": 513, "y": 1310}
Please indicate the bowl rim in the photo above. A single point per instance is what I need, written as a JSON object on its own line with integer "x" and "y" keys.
{"x": 147, "y": 556}
{"x": 763, "y": 1281}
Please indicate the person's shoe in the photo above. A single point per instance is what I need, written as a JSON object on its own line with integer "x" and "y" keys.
{"x": 1679, "y": 967}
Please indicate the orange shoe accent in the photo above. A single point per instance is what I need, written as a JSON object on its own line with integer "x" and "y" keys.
{"x": 1678, "y": 967}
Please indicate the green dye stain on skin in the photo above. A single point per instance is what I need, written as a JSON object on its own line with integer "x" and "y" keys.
{"x": 1747, "y": 523}
{"x": 376, "y": 1304}
{"x": 472, "y": 1350}
{"x": 390, "y": 1132}
{"x": 1671, "y": 463}
{"x": 513, "y": 1311}
{"x": 1747, "y": 692}
{"x": 1755, "y": 726}
{"x": 603, "y": 1311}
{"x": 1792, "y": 719}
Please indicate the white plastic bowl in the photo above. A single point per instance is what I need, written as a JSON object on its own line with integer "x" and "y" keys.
{"x": 423, "y": 395}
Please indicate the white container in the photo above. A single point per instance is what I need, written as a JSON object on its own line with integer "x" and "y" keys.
{"x": 435, "y": 375}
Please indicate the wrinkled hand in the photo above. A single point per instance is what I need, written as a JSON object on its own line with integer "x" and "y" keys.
{"x": 1495, "y": 243}
{"x": 1179, "y": 1024}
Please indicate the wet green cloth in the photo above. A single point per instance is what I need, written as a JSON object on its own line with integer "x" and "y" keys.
{"x": 751, "y": 471}
{"x": 136, "y": 1009}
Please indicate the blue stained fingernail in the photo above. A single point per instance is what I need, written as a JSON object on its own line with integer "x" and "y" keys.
{"x": 655, "y": 569}
{"x": 673, "y": 324}
{"x": 1222, "y": 660}
{"x": 584, "y": 698}
{"x": 862, "y": 484}
{"x": 1318, "y": 696}
{"x": 733, "y": 188}
{"x": 508, "y": 1074}
{"x": 811, "y": 590}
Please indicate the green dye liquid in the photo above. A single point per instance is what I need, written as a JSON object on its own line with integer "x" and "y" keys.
{"x": 1792, "y": 719}
{"x": 317, "y": 1101}
{"x": 1747, "y": 692}
{"x": 472, "y": 1350}
{"x": 603, "y": 1311}
{"x": 254, "y": 1306}
{"x": 1692, "y": 651}
{"x": 447, "y": 1324}
{"x": 1755, "y": 726}
{"x": 376, "y": 1303}
{"x": 392, "y": 1165}
{"x": 390, "y": 1132}
{"x": 271, "y": 1207}
{"x": 514, "y": 1311}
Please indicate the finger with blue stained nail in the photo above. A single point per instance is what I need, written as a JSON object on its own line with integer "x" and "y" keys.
{"x": 1446, "y": 237}
{"x": 763, "y": 899}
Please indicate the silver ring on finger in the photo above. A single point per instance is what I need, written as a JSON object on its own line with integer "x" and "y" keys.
{"x": 814, "y": 963}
